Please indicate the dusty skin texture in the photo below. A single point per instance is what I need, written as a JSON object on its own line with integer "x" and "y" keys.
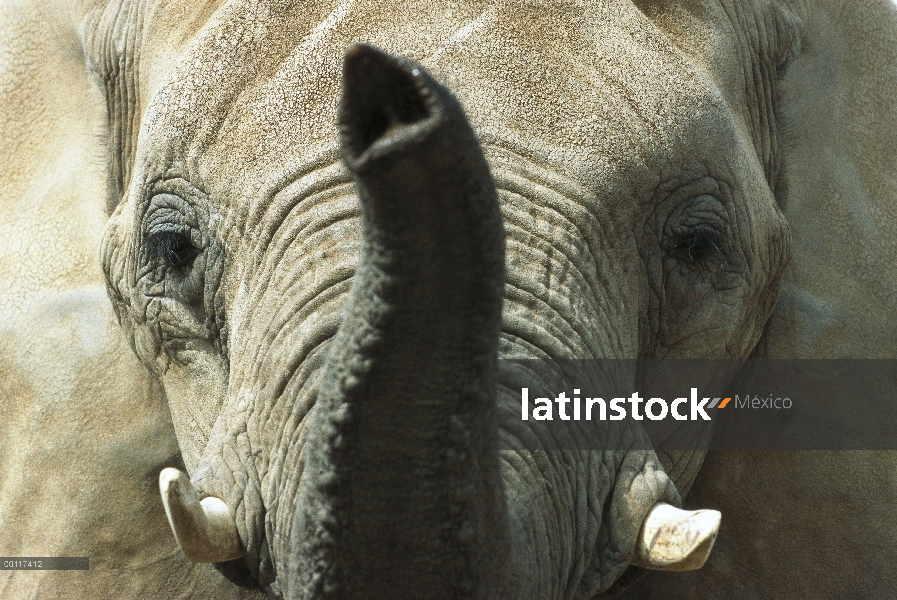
{"x": 815, "y": 524}
{"x": 84, "y": 430}
{"x": 661, "y": 170}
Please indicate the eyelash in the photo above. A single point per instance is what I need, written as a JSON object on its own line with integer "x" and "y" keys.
{"x": 698, "y": 246}
{"x": 172, "y": 249}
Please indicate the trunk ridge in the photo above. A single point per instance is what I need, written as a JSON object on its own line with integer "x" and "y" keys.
{"x": 403, "y": 498}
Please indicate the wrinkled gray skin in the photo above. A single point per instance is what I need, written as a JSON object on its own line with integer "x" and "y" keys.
{"x": 323, "y": 307}
{"x": 347, "y": 421}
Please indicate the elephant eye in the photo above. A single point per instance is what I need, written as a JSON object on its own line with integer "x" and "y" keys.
{"x": 698, "y": 246}
{"x": 172, "y": 249}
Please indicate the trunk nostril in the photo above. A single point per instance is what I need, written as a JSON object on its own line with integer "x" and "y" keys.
{"x": 380, "y": 95}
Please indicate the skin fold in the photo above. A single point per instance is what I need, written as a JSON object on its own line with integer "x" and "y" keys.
{"x": 837, "y": 301}
{"x": 85, "y": 429}
{"x": 317, "y": 259}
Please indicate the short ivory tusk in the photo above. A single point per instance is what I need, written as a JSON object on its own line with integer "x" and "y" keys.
{"x": 676, "y": 540}
{"x": 204, "y": 530}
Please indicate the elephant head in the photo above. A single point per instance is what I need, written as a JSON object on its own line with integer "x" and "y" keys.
{"x": 322, "y": 256}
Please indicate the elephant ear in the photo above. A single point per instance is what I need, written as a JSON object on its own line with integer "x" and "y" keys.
{"x": 828, "y": 68}
{"x": 839, "y": 119}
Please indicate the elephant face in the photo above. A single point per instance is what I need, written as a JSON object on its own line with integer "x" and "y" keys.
{"x": 321, "y": 262}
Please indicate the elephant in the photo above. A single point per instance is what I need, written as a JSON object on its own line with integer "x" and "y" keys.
{"x": 327, "y": 227}
{"x": 85, "y": 430}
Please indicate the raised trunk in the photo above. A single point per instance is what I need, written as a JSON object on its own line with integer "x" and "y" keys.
{"x": 382, "y": 477}
{"x": 403, "y": 496}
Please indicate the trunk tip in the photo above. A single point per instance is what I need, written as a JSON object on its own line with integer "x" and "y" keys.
{"x": 383, "y": 96}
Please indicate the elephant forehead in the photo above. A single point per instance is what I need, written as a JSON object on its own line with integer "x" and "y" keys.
{"x": 576, "y": 85}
